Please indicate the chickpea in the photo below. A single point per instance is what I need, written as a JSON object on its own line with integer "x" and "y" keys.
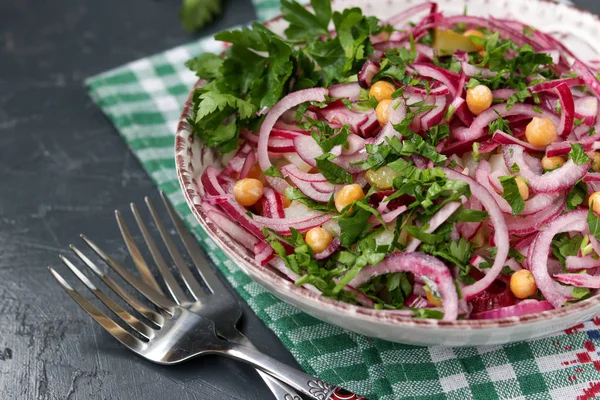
{"x": 318, "y": 239}
{"x": 551, "y": 163}
{"x": 475, "y": 32}
{"x": 435, "y": 301}
{"x": 256, "y": 173}
{"x": 382, "y": 90}
{"x": 594, "y": 202}
{"x": 479, "y": 99}
{"x": 541, "y": 132}
{"x": 522, "y": 284}
{"x": 383, "y": 111}
{"x": 248, "y": 191}
{"x": 523, "y": 188}
{"x": 595, "y": 156}
{"x": 347, "y": 195}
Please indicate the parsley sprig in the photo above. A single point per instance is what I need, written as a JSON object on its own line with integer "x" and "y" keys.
{"x": 260, "y": 67}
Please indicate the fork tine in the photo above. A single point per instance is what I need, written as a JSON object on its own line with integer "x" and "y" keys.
{"x": 108, "y": 324}
{"x": 158, "y": 299}
{"x": 137, "y": 257}
{"x": 205, "y": 271}
{"x": 187, "y": 276}
{"x": 152, "y": 316}
{"x": 129, "y": 319}
{"x": 176, "y": 291}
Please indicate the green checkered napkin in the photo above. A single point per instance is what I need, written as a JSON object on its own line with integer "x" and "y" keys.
{"x": 144, "y": 99}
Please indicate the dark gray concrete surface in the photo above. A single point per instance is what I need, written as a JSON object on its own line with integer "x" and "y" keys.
{"x": 63, "y": 169}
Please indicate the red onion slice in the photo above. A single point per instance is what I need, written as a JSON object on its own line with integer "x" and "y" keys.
{"x": 567, "y": 116}
{"x": 579, "y": 280}
{"x": 366, "y": 74}
{"x": 550, "y": 85}
{"x": 478, "y": 72}
{"x": 248, "y": 164}
{"x": 263, "y": 253}
{"x": 592, "y": 177}
{"x": 308, "y": 149}
{"x": 406, "y": 14}
{"x": 423, "y": 266}
{"x": 588, "y": 77}
{"x": 534, "y": 205}
{"x": 448, "y": 78}
{"x": 286, "y": 133}
{"x": 586, "y": 108}
{"x": 504, "y": 138}
{"x": 579, "y": 263}
{"x": 236, "y": 164}
{"x": 306, "y": 183}
{"x": 234, "y": 230}
{"x": 491, "y": 114}
{"x": 354, "y": 144}
{"x": 255, "y": 223}
{"x": 388, "y": 216}
{"x": 440, "y": 90}
{"x": 338, "y": 113}
{"x": 503, "y": 94}
{"x": 350, "y": 91}
{"x": 500, "y": 233}
{"x": 434, "y": 116}
{"x": 332, "y": 248}
{"x": 537, "y": 257}
{"x": 272, "y": 203}
{"x": 523, "y": 308}
{"x": 291, "y": 100}
{"x": 518, "y": 225}
{"x": 550, "y": 182}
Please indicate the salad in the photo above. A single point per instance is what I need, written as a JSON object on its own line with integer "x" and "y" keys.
{"x": 442, "y": 168}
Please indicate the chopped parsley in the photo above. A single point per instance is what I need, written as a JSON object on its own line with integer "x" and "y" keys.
{"x": 511, "y": 194}
{"x": 578, "y": 155}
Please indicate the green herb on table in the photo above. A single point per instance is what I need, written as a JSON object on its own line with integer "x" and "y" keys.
{"x": 194, "y": 14}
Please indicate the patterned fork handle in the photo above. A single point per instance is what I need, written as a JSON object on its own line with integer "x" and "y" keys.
{"x": 303, "y": 382}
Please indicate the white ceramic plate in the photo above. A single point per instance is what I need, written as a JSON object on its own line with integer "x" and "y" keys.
{"x": 579, "y": 30}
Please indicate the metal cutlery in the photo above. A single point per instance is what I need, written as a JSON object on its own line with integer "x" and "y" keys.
{"x": 182, "y": 328}
{"x": 217, "y": 300}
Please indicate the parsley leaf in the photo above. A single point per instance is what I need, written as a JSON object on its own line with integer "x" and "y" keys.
{"x": 518, "y": 97}
{"x": 564, "y": 246}
{"x": 593, "y": 223}
{"x": 499, "y": 124}
{"x": 577, "y": 195}
{"x": 427, "y": 313}
{"x": 577, "y": 154}
{"x": 472, "y": 83}
{"x": 325, "y": 136}
{"x": 331, "y": 171}
{"x": 469, "y": 215}
{"x": 273, "y": 171}
{"x": 206, "y": 65}
{"x": 437, "y": 133}
{"x": 293, "y": 193}
{"x": 304, "y": 24}
{"x": 353, "y": 225}
{"x": 194, "y": 14}
{"x": 580, "y": 293}
{"x": 511, "y": 194}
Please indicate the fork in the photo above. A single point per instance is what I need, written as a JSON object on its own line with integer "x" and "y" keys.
{"x": 217, "y": 300}
{"x": 175, "y": 333}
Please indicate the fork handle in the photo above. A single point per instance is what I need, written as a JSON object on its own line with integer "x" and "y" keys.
{"x": 307, "y": 384}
